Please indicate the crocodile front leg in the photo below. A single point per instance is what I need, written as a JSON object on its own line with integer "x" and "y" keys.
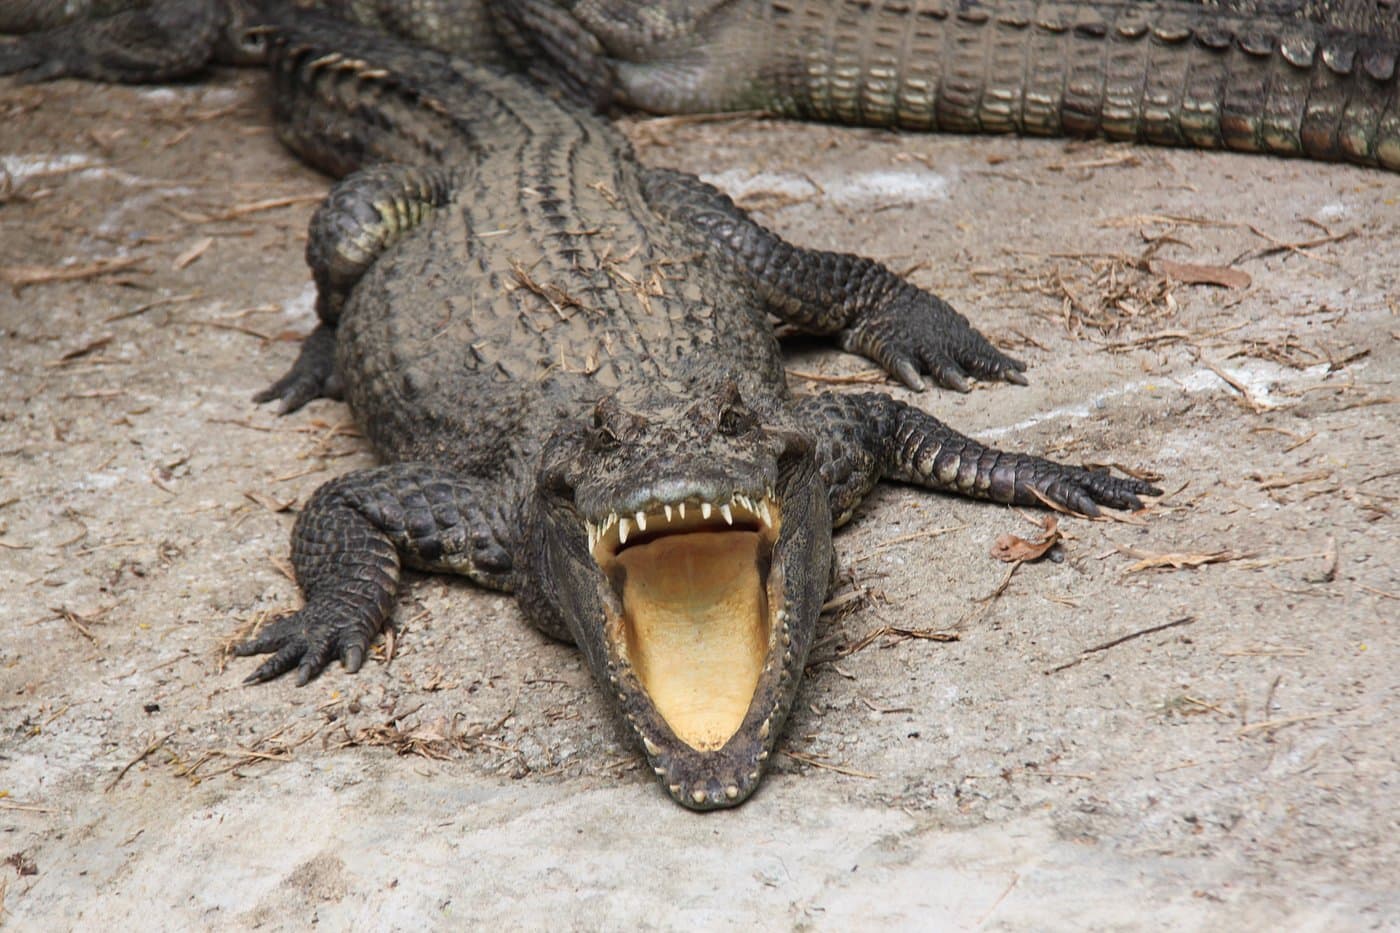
{"x": 347, "y": 549}
{"x": 868, "y": 308}
{"x": 868, "y": 437}
{"x": 364, "y": 214}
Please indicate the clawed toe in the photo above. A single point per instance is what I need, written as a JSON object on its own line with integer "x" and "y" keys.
{"x": 312, "y": 376}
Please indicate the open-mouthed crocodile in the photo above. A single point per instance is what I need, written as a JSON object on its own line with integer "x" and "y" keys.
{"x": 1314, "y": 78}
{"x": 565, "y": 361}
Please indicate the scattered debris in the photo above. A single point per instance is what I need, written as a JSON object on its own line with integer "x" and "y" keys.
{"x": 1283, "y": 481}
{"x": 1265, "y": 651}
{"x": 1272, "y": 725}
{"x": 864, "y": 377}
{"x": 1176, "y": 560}
{"x": 268, "y": 502}
{"x": 816, "y": 762}
{"x": 145, "y": 753}
{"x": 243, "y": 210}
{"x": 1194, "y": 274}
{"x": 1087, "y": 652}
{"x": 197, "y": 249}
{"x": 1254, "y": 404}
{"x": 437, "y": 740}
{"x": 895, "y": 542}
{"x": 267, "y": 748}
{"x": 1009, "y": 547}
{"x": 79, "y": 352}
{"x": 21, "y": 277}
{"x": 1329, "y": 570}
{"x": 554, "y": 296}
{"x": 142, "y": 309}
{"x": 72, "y": 619}
{"x": 22, "y": 864}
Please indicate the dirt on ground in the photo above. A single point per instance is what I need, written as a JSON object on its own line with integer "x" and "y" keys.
{"x": 1182, "y": 718}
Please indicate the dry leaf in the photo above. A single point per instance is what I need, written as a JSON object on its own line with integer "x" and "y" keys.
{"x": 1011, "y": 548}
{"x": 1176, "y": 560}
{"x": 1193, "y": 274}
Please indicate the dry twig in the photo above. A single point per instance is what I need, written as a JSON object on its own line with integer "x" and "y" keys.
{"x": 1184, "y": 620}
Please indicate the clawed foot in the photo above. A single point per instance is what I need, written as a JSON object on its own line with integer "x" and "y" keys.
{"x": 312, "y": 376}
{"x": 918, "y": 333}
{"x": 1084, "y": 491}
{"x": 306, "y": 640}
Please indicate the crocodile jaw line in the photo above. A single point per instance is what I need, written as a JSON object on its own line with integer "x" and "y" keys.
{"x": 696, "y": 626}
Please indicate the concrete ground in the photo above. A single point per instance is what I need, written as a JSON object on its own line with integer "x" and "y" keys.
{"x": 1186, "y": 722}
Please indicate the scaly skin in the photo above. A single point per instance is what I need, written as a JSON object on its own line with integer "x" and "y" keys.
{"x": 1314, "y": 78}
{"x": 565, "y": 362}
{"x": 144, "y": 41}
{"x": 1277, "y": 77}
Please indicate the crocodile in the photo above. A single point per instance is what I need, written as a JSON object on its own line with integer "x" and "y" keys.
{"x": 1313, "y": 78}
{"x": 565, "y": 363}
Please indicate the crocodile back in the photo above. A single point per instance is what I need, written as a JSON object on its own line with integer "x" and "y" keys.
{"x": 546, "y": 281}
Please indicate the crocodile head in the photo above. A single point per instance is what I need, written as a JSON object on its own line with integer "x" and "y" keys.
{"x": 686, "y": 546}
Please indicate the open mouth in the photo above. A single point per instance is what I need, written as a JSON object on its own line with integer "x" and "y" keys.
{"x": 697, "y": 624}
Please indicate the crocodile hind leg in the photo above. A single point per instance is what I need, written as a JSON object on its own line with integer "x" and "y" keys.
{"x": 872, "y": 311}
{"x": 868, "y": 437}
{"x": 364, "y": 214}
{"x": 348, "y": 546}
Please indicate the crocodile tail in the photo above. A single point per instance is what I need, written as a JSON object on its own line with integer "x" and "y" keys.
{"x": 1160, "y": 73}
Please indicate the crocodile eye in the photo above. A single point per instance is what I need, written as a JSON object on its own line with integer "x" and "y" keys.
{"x": 601, "y": 437}
{"x": 612, "y": 424}
{"x": 604, "y": 415}
{"x": 736, "y": 419}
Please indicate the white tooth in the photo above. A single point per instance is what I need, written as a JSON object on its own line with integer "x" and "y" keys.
{"x": 766, "y": 515}
{"x": 623, "y": 526}
{"x": 682, "y": 509}
{"x": 668, "y": 513}
{"x": 705, "y": 510}
{"x": 642, "y": 521}
{"x": 728, "y": 515}
{"x": 592, "y": 536}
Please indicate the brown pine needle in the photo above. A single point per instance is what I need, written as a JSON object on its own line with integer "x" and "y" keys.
{"x": 818, "y": 763}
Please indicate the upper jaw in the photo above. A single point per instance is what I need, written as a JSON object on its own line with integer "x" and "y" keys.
{"x": 675, "y": 514}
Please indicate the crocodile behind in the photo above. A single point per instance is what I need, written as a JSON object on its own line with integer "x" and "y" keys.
{"x": 1314, "y": 78}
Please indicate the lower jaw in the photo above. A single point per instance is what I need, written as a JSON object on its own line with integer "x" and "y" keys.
{"x": 697, "y": 629}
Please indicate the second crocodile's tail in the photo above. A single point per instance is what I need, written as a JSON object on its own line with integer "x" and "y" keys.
{"x": 1173, "y": 74}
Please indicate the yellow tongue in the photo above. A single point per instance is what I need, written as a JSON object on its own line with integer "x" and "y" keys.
{"x": 697, "y": 630}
